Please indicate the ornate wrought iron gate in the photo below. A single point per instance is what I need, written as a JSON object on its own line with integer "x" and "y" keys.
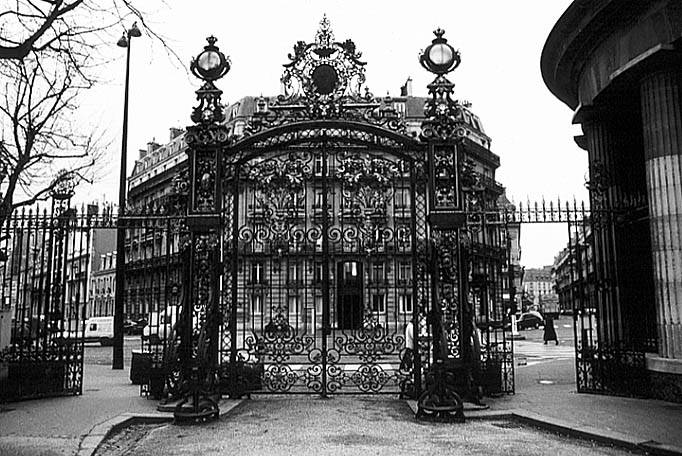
{"x": 614, "y": 318}
{"x": 342, "y": 241}
{"x": 44, "y": 265}
{"x": 325, "y": 259}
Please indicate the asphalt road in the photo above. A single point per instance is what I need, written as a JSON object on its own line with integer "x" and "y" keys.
{"x": 563, "y": 327}
{"x": 96, "y": 354}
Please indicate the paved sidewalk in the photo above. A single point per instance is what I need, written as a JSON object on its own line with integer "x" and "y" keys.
{"x": 546, "y": 391}
{"x": 58, "y": 426}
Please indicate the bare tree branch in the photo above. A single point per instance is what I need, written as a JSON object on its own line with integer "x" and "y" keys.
{"x": 50, "y": 53}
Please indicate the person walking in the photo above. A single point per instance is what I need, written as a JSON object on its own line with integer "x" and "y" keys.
{"x": 549, "y": 333}
{"x": 407, "y": 361}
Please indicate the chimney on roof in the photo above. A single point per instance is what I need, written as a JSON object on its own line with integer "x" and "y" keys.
{"x": 406, "y": 90}
{"x": 152, "y": 146}
{"x": 175, "y": 132}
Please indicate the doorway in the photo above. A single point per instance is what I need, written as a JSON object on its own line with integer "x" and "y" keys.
{"x": 349, "y": 295}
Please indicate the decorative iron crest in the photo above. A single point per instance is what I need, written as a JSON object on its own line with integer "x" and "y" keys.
{"x": 274, "y": 177}
{"x": 356, "y": 171}
{"x": 63, "y": 186}
{"x": 324, "y": 71}
{"x": 367, "y": 189}
{"x": 204, "y": 187}
{"x": 206, "y": 135}
{"x": 324, "y": 80}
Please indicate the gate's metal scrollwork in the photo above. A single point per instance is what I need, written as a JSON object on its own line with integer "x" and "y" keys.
{"x": 341, "y": 237}
{"x": 280, "y": 290}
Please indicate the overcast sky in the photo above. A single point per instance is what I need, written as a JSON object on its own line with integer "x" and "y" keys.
{"x": 500, "y": 42}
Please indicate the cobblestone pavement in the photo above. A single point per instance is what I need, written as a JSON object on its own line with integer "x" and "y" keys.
{"x": 346, "y": 425}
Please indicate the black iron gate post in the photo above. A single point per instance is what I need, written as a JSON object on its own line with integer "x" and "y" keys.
{"x": 199, "y": 319}
{"x": 442, "y": 131}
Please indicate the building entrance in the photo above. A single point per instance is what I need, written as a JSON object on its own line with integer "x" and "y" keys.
{"x": 349, "y": 295}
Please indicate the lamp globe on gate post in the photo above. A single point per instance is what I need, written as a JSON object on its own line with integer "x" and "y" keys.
{"x": 210, "y": 64}
{"x": 439, "y": 57}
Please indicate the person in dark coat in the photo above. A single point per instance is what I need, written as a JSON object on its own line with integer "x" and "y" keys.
{"x": 550, "y": 333}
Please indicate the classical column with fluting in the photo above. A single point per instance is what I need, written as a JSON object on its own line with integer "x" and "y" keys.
{"x": 661, "y": 97}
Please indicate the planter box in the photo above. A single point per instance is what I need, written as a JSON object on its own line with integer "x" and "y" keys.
{"x": 140, "y": 367}
{"x": 249, "y": 378}
{"x": 37, "y": 378}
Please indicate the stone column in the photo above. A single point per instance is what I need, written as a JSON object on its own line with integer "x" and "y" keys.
{"x": 622, "y": 243}
{"x": 661, "y": 97}
{"x": 601, "y": 140}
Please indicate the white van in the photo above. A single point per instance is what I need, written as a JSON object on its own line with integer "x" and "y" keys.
{"x": 100, "y": 329}
{"x": 160, "y": 325}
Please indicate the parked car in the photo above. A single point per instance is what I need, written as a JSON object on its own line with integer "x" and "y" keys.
{"x": 134, "y": 328}
{"x": 529, "y": 320}
{"x": 100, "y": 329}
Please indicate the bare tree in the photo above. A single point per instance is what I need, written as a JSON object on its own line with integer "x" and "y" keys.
{"x": 72, "y": 27}
{"x": 38, "y": 108}
{"x": 50, "y": 54}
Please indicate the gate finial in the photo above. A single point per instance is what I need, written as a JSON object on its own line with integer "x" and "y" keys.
{"x": 324, "y": 36}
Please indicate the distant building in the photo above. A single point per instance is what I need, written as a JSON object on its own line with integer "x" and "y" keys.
{"x": 538, "y": 281}
{"x": 152, "y": 189}
{"x": 513, "y": 272}
{"x": 573, "y": 272}
{"x": 102, "y": 291}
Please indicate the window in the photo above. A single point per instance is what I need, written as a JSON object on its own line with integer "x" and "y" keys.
{"x": 294, "y": 273}
{"x": 318, "y": 305}
{"x": 292, "y": 303}
{"x": 319, "y": 272}
{"x": 257, "y": 304}
{"x": 319, "y": 198}
{"x": 257, "y": 272}
{"x": 402, "y": 198}
{"x": 378, "y": 273}
{"x": 350, "y": 270}
{"x": 404, "y": 271}
{"x": 378, "y": 303}
{"x": 318, "y": 165}
{"x": 405, "y": 303}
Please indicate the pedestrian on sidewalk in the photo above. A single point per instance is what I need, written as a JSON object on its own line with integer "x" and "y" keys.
{"x": 549, "y": 333}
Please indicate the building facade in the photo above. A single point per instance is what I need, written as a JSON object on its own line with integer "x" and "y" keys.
{"x": 538, "y": 281}
{"x": 102, "y": 286}
{"x": 617, "y": 65}
{"x": 152, "y": 189}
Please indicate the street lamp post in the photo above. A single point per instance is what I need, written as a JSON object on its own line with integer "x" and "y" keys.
{"x": 117, "y": 363}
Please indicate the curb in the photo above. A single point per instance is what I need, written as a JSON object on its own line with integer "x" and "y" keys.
{"x": 625, "y": 441}
{"x": 99, "y": 433}
{"x": 600, "y": 435}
